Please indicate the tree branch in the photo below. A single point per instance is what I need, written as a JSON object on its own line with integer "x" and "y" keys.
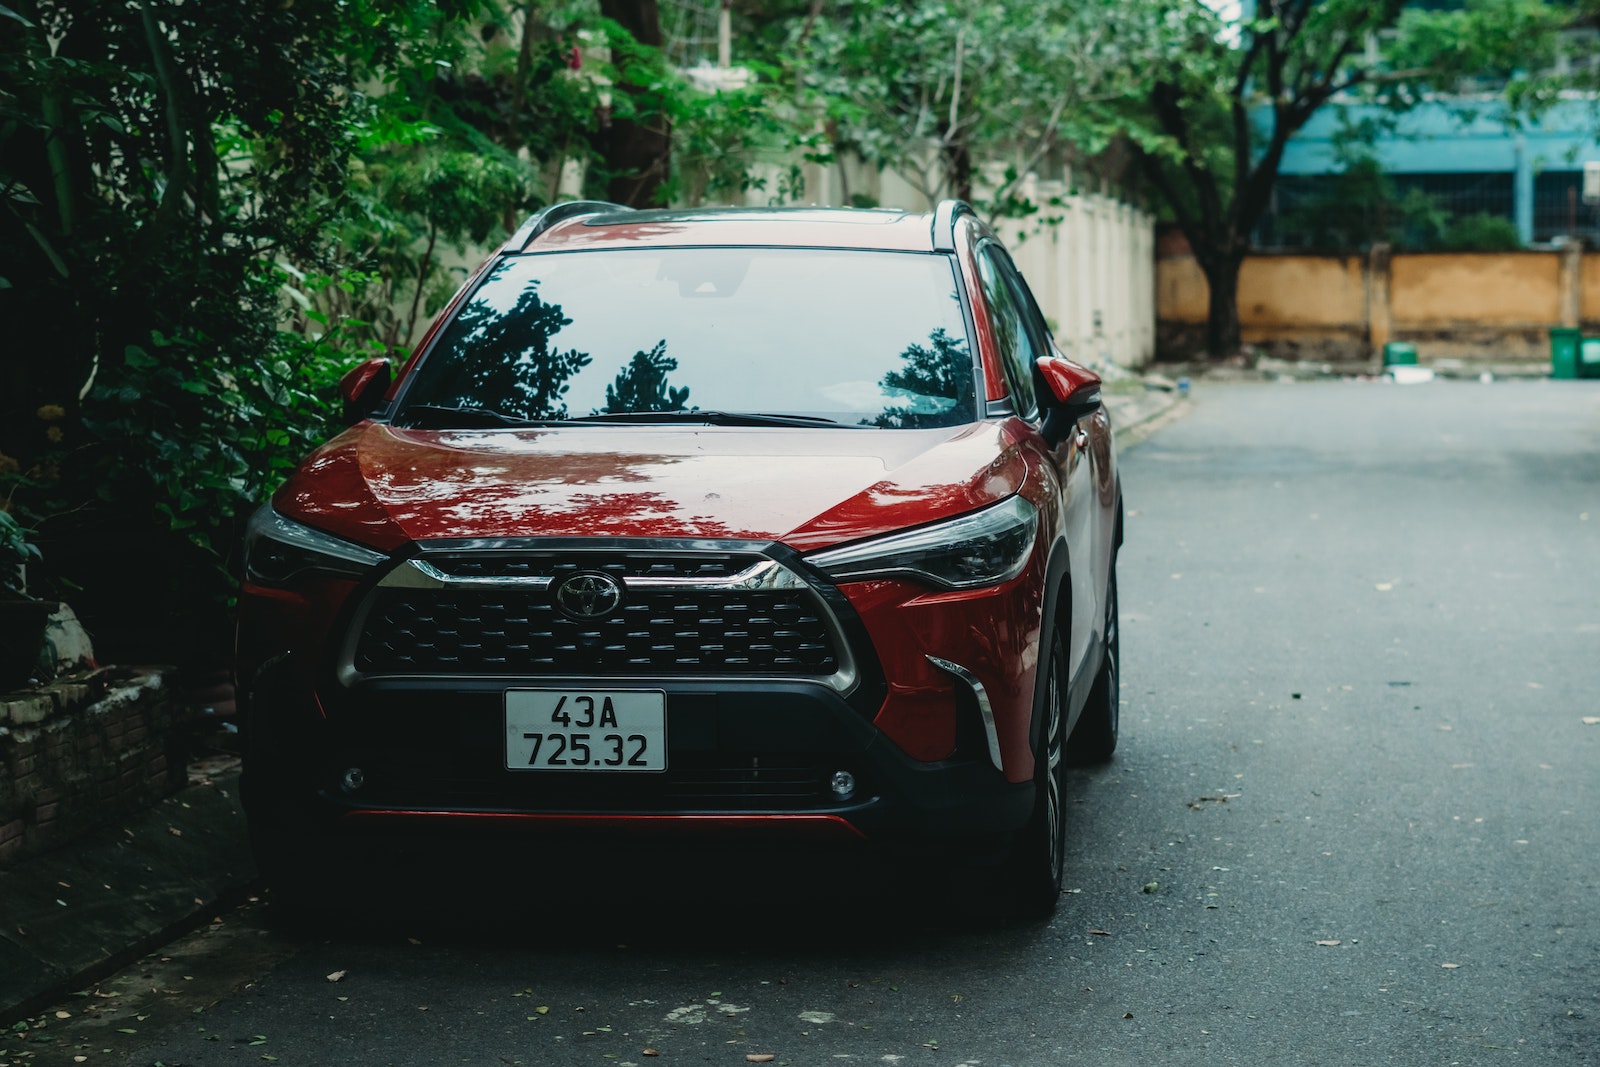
{"x": 1169, "y": 112}
{"x": 177, "y": 144}
{"x": 811, "y": 21}
{"x": 1152, "y": 167}
{"x": 955, "y": 90}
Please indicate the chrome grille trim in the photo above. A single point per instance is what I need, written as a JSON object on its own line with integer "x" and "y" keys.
{"x": 768, "y": 574}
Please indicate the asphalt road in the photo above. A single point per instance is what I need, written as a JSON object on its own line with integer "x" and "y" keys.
{"x": 1355, "y": 817}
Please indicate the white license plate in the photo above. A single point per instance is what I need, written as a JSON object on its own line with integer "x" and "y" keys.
{"x": 586, "y": 730}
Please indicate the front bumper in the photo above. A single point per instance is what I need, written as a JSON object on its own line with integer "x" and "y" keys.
{"x": 745, "y": 758}
{"x": 417, "y": 706}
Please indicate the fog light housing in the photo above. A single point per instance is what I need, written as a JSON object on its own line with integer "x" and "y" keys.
{"x": 352, "y": 780}
{"x": 843, "y": 785}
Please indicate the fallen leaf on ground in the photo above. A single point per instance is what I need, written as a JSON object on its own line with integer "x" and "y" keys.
{"x": 650, "y": 1052}
{"x": 1127, "y": 1015}
{"x": 1151, "y": 887}
{"x": 337, "y": 976}
{"x": 543, "y": 1009}
{"x": 1449, "y": 966}
{"x": 1101, "y": 933}
{"x": 174, "y": 831}
{"x": 759, "y": 1057}
{"x": 1384, "y": 587}
{"x": 1591, "y": 720}
{"x": 1330, "y": 944}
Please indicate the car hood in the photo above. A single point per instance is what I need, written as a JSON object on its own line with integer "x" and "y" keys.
{"x": 809, "y": 488}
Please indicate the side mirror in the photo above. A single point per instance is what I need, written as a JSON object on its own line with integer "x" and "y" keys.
{"x": 363, "y": 388}
{"x": 1072, "y": 392}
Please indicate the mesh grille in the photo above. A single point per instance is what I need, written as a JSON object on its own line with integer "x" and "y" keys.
{"x": 657, "y": 632}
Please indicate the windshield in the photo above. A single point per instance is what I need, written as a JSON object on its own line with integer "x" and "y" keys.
{"x": 817, "y": 336}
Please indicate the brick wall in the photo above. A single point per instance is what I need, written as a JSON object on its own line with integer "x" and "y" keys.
{"x": 81, "y": 752}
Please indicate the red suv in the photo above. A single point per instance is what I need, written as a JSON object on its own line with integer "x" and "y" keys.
{"x": 786, "y": 523}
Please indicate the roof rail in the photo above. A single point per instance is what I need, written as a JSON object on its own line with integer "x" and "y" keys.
{"x": 545, "y": 218}
{"x": 944, "y": 223}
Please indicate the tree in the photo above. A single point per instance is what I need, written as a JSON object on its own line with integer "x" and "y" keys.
{"x": 637, "y": 142}
{"x": 932, "y": 89}
{"x": 158, "y": 158}
{"x": 174, "y": 175}
{"x": 1218, "y": 116}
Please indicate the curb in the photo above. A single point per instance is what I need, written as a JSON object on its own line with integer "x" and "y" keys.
{"x": 1135, "y": 416}
{"x": 89, "y": 908}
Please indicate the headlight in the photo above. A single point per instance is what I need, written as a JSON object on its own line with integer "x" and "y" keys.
{"x": 276, "y": 551}
{"x": 985, "y": 548}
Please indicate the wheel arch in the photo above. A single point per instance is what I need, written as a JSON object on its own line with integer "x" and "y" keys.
{"x": 1055, "y": 619}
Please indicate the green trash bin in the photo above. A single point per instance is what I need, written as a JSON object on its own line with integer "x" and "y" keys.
{"x": 1589, "y": 358}
{"x": 1564, "y": 344}
{"x": 1399, "y": 354}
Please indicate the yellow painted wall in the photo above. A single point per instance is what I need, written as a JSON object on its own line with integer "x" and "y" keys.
{"x": 1291, "y": 291}
{"x": 1480, "y": 289}
{"x": 1589, "y": 289}
{"x": 1301, "y": 291}
{"x": 1181, "y": 290}
{"x": 1441, "y": 302}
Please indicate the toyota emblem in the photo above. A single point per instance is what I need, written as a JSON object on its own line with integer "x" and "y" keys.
{"x": 589, "y": 596}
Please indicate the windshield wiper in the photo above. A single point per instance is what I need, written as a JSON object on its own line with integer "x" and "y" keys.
{"x": 710, "y": 418}
{"x": 444, "y": 415}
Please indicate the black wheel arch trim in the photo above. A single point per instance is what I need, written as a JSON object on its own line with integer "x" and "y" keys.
{"x": 1058, "y": 584}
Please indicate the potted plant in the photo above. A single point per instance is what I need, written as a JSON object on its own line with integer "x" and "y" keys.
{"x": 22, "y": 618}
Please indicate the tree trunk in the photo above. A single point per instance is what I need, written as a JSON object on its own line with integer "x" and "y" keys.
{"x": 638, "y": 154}
{"x": 1222, "y": 317}
{"x": 959, "y": 159}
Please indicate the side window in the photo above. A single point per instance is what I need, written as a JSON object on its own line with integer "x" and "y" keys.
{"x": 1008, "y": 312}
{"x": 1032, "y": 318}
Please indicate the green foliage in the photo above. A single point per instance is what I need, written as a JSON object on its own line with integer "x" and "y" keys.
{"x": 1218, "y": 116}
{"x": 934, "y": 89}
{"x": 207, "y": 213}
{"x": 1481, "y": 233}
{"x": 16, "y": 551}
{"x": 721, "y": 137}
{"x": 1495, "y": 46}
{"x": 1361, "y": 206}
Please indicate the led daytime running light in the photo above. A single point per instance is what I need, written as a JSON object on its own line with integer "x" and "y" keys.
{"x": 984, "y": 548}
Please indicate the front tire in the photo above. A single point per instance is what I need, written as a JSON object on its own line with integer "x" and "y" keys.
{"x": 1038, "y": 859}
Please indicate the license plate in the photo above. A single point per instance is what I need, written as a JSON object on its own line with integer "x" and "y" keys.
{"x": 586, "y": 730}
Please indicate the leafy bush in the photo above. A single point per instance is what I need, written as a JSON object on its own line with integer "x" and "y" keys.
{"x": 1481, "y": 233}
{"x": 16, "y": 551}
{"x": 204, "y": 219}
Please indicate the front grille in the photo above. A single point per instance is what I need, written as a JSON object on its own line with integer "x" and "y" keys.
{"x": 506, "y": 631}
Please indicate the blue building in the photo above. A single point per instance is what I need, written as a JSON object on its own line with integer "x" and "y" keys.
{"x": 1468, "y": 155}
